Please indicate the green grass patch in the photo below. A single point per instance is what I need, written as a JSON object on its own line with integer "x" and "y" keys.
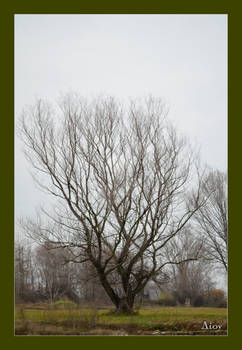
{"x": 79, "y": 319}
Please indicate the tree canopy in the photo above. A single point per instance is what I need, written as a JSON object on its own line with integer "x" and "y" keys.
{"x": 122, "y": 174}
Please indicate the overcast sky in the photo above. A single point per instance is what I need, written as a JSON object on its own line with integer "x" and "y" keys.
{"x": 181, "y": 58}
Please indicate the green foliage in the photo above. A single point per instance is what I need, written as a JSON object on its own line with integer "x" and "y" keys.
{"x": 166, "y": 299}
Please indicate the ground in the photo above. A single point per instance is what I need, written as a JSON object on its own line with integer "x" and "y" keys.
{"x": 70, "y": 319}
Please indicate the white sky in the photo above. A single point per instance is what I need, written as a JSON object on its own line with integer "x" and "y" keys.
{"x": 181, "y": 58}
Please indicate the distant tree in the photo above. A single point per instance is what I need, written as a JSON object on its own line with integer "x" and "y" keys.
{"x": 190, "y": 279}
{"x": 57, "y": 275}
{"x": 212, "y": 218}
{"x": 215, "y": 298}
{"x": 122, "y": 174}
{"x": 20, "y": 271}
{"x": 24, "y": 272}
{"x": 43, "y": 274}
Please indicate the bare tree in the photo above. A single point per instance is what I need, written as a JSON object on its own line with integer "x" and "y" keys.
{"x": 42, "y": 273}
{"x": 212, "y": 218}
{"x": 122, "y": 175}
{"x": 24, "y": 272}
{"x": 54, "y": 274}
{"x": 191, "y": 278}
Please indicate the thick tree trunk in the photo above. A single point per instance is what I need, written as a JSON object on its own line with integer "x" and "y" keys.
{"x": 109, "y": 290}
{"x": 125, "y": 307}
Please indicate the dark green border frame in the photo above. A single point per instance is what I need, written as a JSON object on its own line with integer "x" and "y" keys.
{"x": 7, "y": 173}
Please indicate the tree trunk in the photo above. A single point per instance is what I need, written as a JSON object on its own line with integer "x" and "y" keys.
{"x": 125, "y": 307}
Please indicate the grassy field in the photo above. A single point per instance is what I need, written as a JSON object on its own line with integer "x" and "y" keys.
{"x": 68, "y": 319}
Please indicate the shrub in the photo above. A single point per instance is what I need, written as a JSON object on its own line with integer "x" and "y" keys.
{"x": 216, "y": 298}
{"x": 65, "y": 304}
{"x": 166, "y": 299}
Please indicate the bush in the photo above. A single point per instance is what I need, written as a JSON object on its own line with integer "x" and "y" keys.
{"x": 166, "y": 299}
{"x": 215, "y": 298}
{"x": 65, "y": 304}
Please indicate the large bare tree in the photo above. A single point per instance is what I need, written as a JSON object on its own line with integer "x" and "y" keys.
{"x": 122, "y": 173}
